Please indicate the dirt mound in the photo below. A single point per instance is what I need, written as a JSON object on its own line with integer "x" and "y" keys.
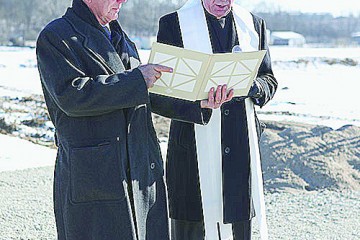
{"x": 295, "y": 156}
{"x": 308, "y": 157}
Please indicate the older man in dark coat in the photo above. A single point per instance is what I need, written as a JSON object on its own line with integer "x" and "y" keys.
{"x": 109, "y": 172}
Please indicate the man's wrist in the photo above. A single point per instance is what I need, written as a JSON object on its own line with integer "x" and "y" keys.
{"x": 203, "y": 104}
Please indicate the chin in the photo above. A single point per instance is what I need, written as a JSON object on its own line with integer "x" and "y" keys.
{"x": 220, "y": 14}
{"x": 113, "y": 17}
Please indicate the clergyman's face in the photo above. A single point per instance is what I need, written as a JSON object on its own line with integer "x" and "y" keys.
{"x": 218, "y": 8}
{"x": 105, "y": 11}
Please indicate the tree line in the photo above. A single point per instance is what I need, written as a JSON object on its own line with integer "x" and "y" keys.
{"x": 21, "y": 20}
{"x": 317, "y": 28}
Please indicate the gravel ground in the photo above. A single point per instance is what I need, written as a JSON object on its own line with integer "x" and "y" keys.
{"x": 26, "y": 210}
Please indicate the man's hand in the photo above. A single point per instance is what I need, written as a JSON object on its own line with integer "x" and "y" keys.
{"x": 152, "y": 72}
{"x": 215, "y": 100}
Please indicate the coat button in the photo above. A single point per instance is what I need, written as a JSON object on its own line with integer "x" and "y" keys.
{"x": 118, "y": 139}
{"x": 152, "y": 165}
{"x": 227, "y": 150}
{"x": 226, "y": 112}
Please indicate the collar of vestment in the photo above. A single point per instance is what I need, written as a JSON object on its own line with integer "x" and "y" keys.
{"x": 195, "y": 32}
{"x": 222, "y": 32}
{"x": 221, "y": 20}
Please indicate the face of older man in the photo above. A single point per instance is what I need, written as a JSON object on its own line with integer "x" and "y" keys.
{"x": 218, "y": 8}
{"x": 105, "y": 11}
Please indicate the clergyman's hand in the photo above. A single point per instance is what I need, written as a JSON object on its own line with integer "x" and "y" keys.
{"x": 216, "y": 99}
{"x": 152, "y": 72}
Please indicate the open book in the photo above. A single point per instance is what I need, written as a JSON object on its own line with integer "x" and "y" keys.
{"x": 195, "y": 72}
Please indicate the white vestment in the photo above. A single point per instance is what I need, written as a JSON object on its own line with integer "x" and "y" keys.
{"x": 195, "y": 36}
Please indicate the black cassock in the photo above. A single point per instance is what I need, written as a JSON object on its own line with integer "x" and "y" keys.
{"x": 181, "y": 167}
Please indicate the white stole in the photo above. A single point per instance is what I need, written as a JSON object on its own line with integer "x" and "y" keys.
{"x": 195, "y": 36}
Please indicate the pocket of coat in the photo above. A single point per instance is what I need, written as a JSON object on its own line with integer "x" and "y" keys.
{"x": 96, "y": 174}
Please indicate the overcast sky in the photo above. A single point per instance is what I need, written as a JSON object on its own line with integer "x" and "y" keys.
{"x": 335, "y": 7}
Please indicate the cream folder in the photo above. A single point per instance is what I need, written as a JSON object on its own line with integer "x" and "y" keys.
{"x": 195, "y": 72}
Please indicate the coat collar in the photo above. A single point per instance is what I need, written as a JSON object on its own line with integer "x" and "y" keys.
{"x": 95, "y": 41}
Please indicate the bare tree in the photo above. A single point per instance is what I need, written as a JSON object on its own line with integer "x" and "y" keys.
{"x": 23, "y": 20}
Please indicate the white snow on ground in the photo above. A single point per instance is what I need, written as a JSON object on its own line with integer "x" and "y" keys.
{"x": 311, "y": 91}
{"x": 18, "y": 154}
{"x": 18, "y": 73}
{"x": 316, "y": 93}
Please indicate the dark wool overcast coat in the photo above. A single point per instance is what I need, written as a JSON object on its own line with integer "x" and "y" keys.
{"x": 181, "y": 168}
{"x": 105, "y": 136}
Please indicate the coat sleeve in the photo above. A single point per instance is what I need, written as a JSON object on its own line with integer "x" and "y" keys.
{"x": 265, "y": 80}
{"x": 178, "y": 109}
{"x": 76, "y": 93}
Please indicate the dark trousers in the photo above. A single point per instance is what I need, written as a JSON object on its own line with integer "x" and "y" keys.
{"x": 186, "y": 230}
